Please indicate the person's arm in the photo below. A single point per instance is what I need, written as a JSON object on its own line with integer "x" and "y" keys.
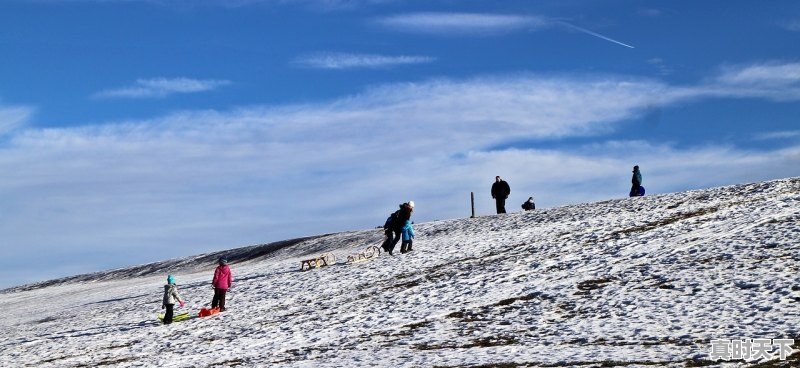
{"x": 177, "y": 296}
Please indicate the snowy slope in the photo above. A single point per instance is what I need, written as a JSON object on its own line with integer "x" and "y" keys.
{"x": 636, "y": 282}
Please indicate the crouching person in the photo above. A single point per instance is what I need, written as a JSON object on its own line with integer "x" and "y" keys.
{"x": 529, "y": 205}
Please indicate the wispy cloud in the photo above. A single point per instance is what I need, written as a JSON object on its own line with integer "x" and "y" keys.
{"x": 662, "y": 68}
{"x": 322, "y": 5}
{"x": 774, "y": 80}
{"x": 352, "y": 61}
{"x": 650, "y": 12}
{"x": 200, "y": 180}
{"x": 479, "y": 24}
{"x": 769, "y": 73}
{"x": 13, "y": 117}
{"x": 462, "y": 23}
{"x": 791, "y": 25}
{"x": 162, "y": 87}
{"x": 786, "y": 134}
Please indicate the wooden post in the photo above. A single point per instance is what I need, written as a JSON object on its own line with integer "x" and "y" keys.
{"x": 472, "y": 200}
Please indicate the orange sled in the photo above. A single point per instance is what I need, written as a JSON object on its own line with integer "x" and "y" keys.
{"x": 205, "y": 312}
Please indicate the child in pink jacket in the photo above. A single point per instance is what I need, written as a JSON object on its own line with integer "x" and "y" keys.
{"x": 223, "y": 279}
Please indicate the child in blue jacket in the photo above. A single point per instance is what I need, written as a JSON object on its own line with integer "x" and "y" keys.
{"x": 408, "y": 234}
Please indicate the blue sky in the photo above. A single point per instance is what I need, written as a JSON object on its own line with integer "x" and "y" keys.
{"x": 138, "y": 130}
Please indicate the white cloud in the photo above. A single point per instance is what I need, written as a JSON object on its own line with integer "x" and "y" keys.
{"x": 650, "y": 12}
{"x": 13, "y": 117}
{"x": 788, "y": 73}
{"x": 200, "y": 180}
{"x": 352, "y": 61}
{"x": 786, "y": 134}
{"x": 777, "y": 81}
{"x": 162, "y": 87}
{"x": 791, "y": 25}
{"x": 478, "y": 23}
{"x": 323, "y": 5}
{"x": 662, "y": 68}
{"x": 459, "y": 23}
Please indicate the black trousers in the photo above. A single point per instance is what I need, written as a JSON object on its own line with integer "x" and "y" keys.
{"x": 392, "y": 237}
{"x": 219, "y": 299}
{"x": 169, "y": 313}
{"x": 501, "y": 205}
{"x": 634, "y": 190}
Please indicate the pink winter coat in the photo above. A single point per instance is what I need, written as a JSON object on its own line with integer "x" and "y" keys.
{"x": 223, "y": 278}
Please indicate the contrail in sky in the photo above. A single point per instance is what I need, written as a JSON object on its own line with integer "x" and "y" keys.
{"x": 584, "y": 30}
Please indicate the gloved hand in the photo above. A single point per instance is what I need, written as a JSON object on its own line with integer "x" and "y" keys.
{"x": 163, "y": 306}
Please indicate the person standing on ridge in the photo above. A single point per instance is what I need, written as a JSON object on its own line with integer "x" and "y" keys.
{"x": 222, "y": 281}
{"x": 500, "y": 191}
{"x": 170, "y": 297}
{"x": 636, "y": 182}
{"x": 394, "y": 226}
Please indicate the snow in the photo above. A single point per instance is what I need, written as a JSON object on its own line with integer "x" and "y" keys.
{"x": 636, "y": 282}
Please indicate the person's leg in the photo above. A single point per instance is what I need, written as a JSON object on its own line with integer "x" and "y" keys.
{"x": 397, "y": 234}
{"x": 387, "y": 241}
{"x": 501, "y": 205}
{"x": 168, "y": 314}
{"x": 222, "y": 293}
{"x": 403, "y": 246}
{"x": 410, "y": 241}
{"x": 215, "y": 300}
{"x": 497, "y": 205}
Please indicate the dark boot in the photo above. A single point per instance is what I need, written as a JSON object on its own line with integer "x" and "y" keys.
{"x": 403, "y": 248}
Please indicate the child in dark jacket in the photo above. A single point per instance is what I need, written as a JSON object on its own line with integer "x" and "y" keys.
{"x": 170, "y": 297}
{"x": 408, "y": 234}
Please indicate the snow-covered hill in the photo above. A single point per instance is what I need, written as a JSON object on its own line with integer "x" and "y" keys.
{"x": 632, "y": 282}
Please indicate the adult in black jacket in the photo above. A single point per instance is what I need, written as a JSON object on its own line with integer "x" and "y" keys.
{"x": 395, "y": 229}
{"x": 636, "y": 182}
{"x": 500, "y": 191}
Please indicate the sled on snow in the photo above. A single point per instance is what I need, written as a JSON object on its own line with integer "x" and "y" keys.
{"x": 176, "y": 318}
{"x": 207, "y": 312}
{"x": 367, "y": 254}
{"x": 323, "y": 260}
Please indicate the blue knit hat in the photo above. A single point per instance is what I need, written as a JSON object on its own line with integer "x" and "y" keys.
{"x": 170, "y": 279}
